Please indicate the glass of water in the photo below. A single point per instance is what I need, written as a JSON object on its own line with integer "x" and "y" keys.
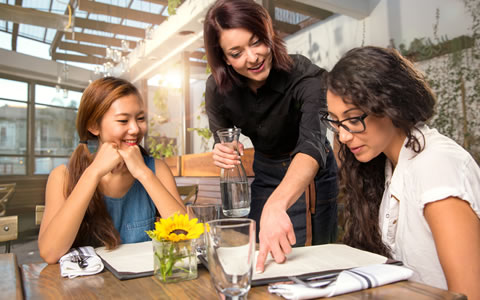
{"x": 230, "y": 254}
{"x": 204, "y": 213}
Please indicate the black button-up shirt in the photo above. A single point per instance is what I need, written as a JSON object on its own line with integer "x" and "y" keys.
{"x": 282, "y": 117}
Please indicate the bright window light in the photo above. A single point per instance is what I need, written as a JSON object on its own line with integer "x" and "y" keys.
{"x": 34, "y": 48}
{"x": 171, "y": 79}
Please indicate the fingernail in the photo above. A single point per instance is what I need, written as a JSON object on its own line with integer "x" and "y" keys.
{"x": 259, "y": 271}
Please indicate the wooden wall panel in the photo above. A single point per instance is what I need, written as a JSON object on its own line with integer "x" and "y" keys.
{"x": 29, "y": 191}
{"x": 201, "y": 165}
{"x": 174, "y": 164}
{"x": 208, "y": 187}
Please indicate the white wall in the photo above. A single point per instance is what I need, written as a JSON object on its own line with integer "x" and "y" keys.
{"x": 400, "y": 20}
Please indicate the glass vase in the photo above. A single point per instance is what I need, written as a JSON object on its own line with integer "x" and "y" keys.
{"x": 174, "y": 261}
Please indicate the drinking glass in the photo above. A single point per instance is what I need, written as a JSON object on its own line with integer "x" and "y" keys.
{"x": 204, "y": 213}
{"x": 231, "y": 253}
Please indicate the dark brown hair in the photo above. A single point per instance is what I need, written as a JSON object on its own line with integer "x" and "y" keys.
{"x": 246, "y": 14}
{"x": 381, "y": 83}
{"x": 97, "y": 228}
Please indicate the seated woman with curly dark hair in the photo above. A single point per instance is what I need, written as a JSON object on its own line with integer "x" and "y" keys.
{"x": 410, "y": 193}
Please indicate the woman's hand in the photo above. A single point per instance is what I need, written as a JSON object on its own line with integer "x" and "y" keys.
{"x": 225, "y": 156}
{"x": 134, "y": 161}
{"x": 107, "y": 159}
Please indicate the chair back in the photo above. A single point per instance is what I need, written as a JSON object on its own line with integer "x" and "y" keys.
{"x": 7, "y": 190}
{"x": 188, "y": 193}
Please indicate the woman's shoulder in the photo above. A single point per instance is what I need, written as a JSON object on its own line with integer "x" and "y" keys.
{"x": 60, "y": 170}
{"x": 304, "y": 66}
{"x": 441, "y": 156}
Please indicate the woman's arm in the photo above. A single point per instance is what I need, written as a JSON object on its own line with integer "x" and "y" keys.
{"x": 276, "y": 229}
{"x": 456, "y": 231}
{"x": 63, "y": 216}
{"x": 160, "y": 186}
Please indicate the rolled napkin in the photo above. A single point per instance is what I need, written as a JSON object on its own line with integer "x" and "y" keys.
{"x": 348, "y": 281}
{"x": 80, "y": 261}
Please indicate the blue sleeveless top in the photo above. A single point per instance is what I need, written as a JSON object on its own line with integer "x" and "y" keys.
{"x": 134, "y": 212}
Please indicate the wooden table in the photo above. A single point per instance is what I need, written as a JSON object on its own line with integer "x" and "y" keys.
{"x": 42, "y": 281}
{"x": 10, "y": 280}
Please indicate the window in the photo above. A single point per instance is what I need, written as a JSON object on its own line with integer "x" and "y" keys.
{"x": 55, "y": 133}
{"x": 37, "y": 126}
{"x": 13, "y": 126}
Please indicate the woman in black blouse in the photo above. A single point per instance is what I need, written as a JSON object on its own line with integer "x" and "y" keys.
{"x": 276, "y": 100}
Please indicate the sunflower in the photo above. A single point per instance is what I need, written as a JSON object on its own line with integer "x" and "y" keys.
{"x": 176, "y": 228}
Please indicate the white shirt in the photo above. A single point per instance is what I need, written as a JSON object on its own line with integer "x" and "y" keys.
{"x": 443, "y": 169}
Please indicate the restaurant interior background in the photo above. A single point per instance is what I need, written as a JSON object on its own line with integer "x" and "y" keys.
{"x": 51, "y": 49}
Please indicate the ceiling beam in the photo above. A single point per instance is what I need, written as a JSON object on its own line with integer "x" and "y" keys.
{"x": 304, "y": 9}
{"x": 108, "y": 27}
{"x": 78, "y": 58}
{"x": 119, "y": 12}
{"x": 197, "y": 54}
{"x": 85, "y": 49}
{"x": 59, "y": 34}
{"x": 161, "y": 2}
{"x": 358, "y": 9}
{"x": 97, "y": 39}
{"x": 30, "y": 16}
{"x": 15, "y": 29}
{"x": 286, "y": 27}
{"x": 14, "y": 36}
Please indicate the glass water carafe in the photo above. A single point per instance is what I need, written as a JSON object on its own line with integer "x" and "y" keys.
{"x": 233, "y": 181}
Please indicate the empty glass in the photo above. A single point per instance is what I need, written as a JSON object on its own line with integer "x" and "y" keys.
{"x": 233, "y": 182}
{"x": 231, "y": 253}
{"x": 204, "y": 213}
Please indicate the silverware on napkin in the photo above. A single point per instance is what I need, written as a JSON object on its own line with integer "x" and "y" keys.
{"x": 321, "y": 281}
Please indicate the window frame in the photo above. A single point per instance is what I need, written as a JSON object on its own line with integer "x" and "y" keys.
{"x": 30, "y": 155}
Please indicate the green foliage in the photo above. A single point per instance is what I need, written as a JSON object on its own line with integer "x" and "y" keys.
{"x": 204, "y": 133}
{"x": 172, "y": 6}
{"x": 454, "y": 76}
{"x": 162, "y": 149}
{"x": 456, "y": 82}
{"x": 158, "y": 146}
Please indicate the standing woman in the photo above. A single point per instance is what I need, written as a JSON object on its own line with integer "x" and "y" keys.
{"x": 111, "y": 196}
{"x": 410, "y": 193}
{"x": 276, "y": 100}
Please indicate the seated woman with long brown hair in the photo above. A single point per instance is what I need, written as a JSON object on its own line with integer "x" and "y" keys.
{"x": 110, "y": 196}
{"x": 410, "y": 193}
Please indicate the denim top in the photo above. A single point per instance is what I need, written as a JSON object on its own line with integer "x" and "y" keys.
{"x": 133, "y": 213}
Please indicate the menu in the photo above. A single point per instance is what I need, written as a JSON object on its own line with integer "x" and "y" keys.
{"x": 136, "y": 260}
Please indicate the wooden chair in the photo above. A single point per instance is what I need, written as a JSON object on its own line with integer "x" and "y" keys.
{"x": 188, "y": 193}
{"x": 39, "y": 209}
{"x": 7, "y": 190}
{"x": 8, "y": 225}
{"x": 8, "y": 230}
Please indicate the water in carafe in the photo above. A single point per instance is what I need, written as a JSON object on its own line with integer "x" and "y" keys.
{"x": 233, "y": 182}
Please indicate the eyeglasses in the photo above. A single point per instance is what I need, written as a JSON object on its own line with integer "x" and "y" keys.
{"x": 352, "y": 125}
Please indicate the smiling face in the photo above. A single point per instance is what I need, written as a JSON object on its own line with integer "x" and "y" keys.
{"x": 380, "y": 134}
{"x": 247, "y": 55}
{"x": 124, "y": 123}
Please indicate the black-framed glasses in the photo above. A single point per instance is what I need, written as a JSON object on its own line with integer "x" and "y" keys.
{"x": 352, "y": 125}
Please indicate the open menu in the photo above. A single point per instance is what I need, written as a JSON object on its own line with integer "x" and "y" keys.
{"x": 136, "y": 260}
{"x": 128, "y": 260}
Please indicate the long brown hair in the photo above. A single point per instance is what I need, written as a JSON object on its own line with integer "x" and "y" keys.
{"x": 246, "y": 14}
{"x": 381, "y": 83}
{"x": 97, "y": 227}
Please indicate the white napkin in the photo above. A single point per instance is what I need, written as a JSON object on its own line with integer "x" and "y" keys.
{"x": 69, "y": 267}
{"x": 348, "y": 281}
